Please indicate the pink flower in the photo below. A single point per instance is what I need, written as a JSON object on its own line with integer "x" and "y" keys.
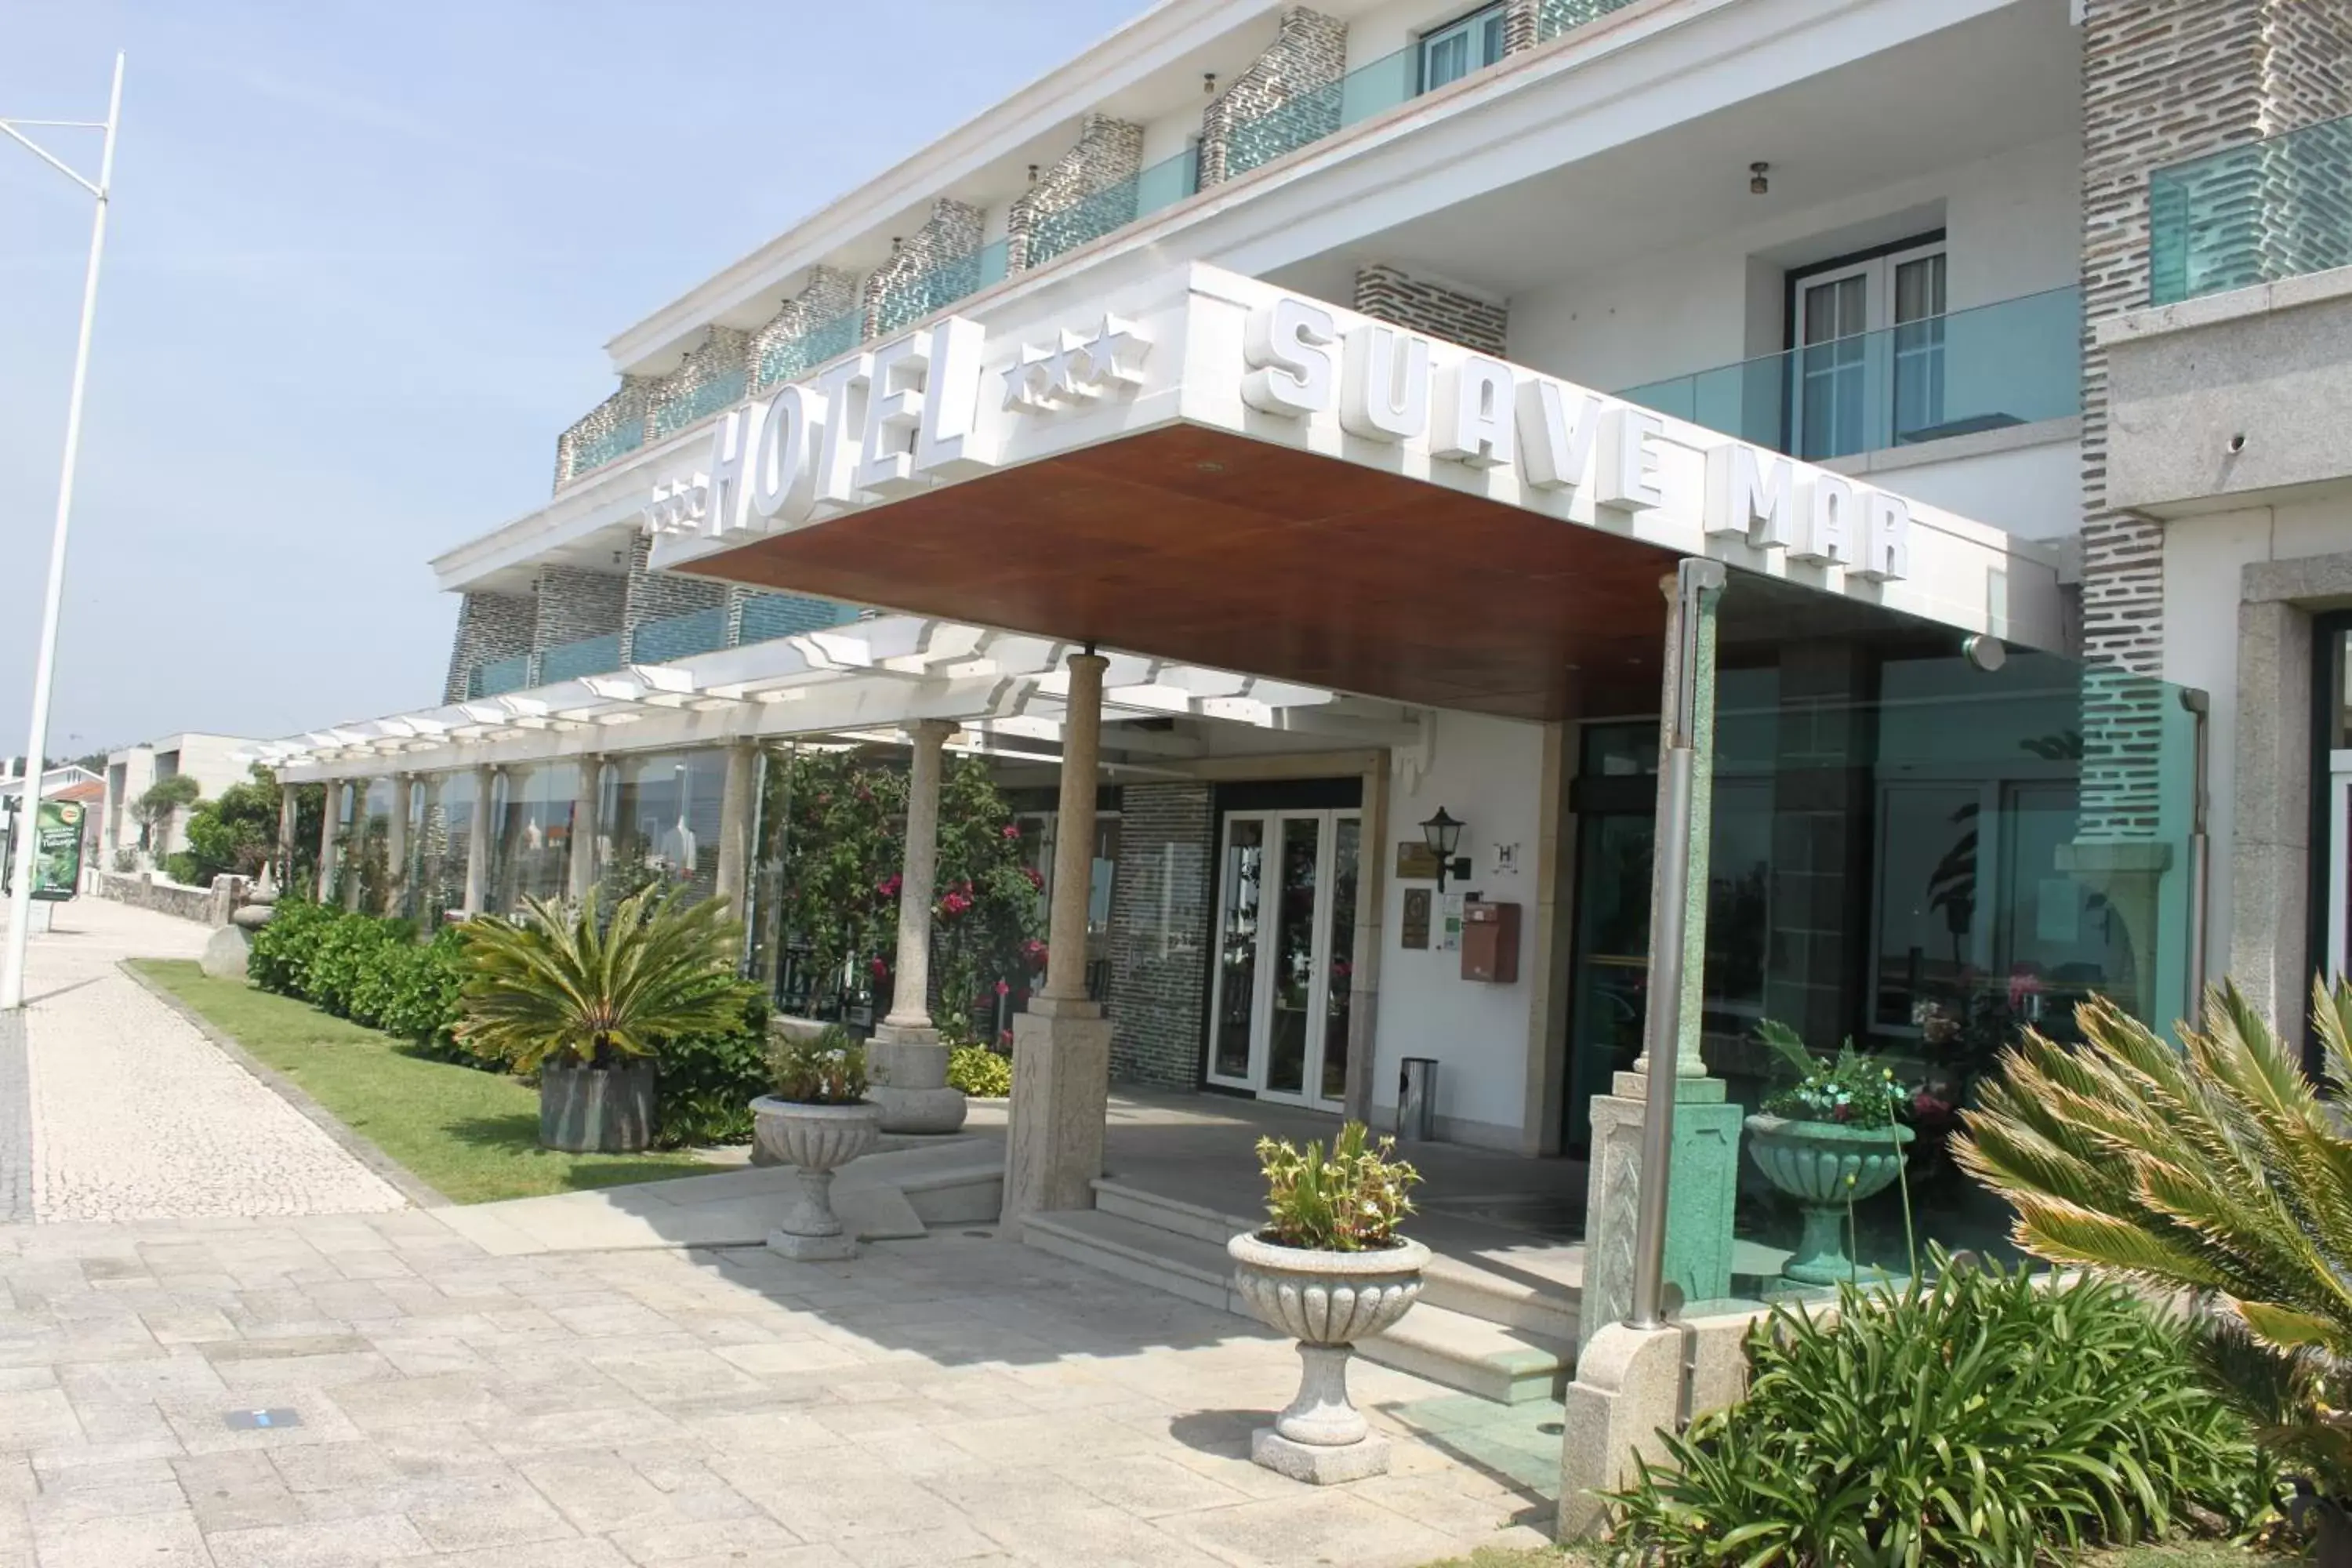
{"x": 888, "y": 886}
{"x": 1012, "y": 830}
{"x": 877, "y": 967}
{"x": 1926, "y": 1106}
{"x": 1003, "y": 988}
{"x": 1036, "y": 878}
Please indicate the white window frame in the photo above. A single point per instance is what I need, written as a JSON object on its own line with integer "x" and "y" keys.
{"x": 1471, "y": 28}
{"x": 1877, "y": 273}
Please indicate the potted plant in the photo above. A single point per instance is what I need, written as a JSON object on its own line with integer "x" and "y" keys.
{"x": 1329, "y": 1269}
{"x": 584, "y": 1001}
{"x": 817, "y": 1121}
{"x": 1829, "y": 1138}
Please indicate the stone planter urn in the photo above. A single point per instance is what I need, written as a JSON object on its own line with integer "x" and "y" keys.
{"x": 1328, "y": 1302}
{"x": 596, "y": 1111}
{"x": 1827, "y": 1167}
{"x": 817, "y": 1141}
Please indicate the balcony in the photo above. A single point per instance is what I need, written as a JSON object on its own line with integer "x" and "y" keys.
{"x": 679, "y": 636}
{"x": 762, "y": 618}
{"x": 2014, "y": 363}
{"x": 589, "y": 655}
{"x": 498, "y": 677}
{"x": 2280, "y": 207}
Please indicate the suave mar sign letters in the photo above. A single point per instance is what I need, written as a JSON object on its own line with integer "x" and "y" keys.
{"x": 945, "y": 404}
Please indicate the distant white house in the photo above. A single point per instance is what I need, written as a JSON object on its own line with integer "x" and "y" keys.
{"x": 131, "y": 771}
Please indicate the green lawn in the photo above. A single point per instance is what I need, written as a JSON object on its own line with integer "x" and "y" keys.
{"x": 471, "y": 1135}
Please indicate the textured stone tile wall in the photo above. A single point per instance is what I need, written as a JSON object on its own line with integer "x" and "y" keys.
{"x": 911, "y": 284}
{"x": 1159, "y": 934}
{"x": 657, "y": 596}
{"x": 1288, "y": 97}
{"x": 794, "y": 341}
{"x": 575, "y": 447}
{"x": 2163, "y": 80}
{"x": 712, "y": 377}
{"x": 490, "y": 627}
{"x": 1388, "y": 294}
{"x": 1080, "y": 197}
{"x": 575, "y": 602}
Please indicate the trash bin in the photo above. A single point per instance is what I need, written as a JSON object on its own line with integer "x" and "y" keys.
{"x": 1417, "y": 1100}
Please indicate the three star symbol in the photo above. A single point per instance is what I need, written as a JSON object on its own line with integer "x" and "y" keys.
{"x": 1081, "y": 370}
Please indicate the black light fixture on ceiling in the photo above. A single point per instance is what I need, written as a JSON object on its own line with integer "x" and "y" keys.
{"x": 1756, "y": 184}
{"x": 1444, "y": 836}
{"x": 1209, "y": 83}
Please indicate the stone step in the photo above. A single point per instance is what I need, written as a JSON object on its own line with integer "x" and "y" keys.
{"x": 1183, "y": 1265}
{"x": 1476, "y": 1290}
{"x": 1509, "y": 1366}
{"x": 1167, "y": 1214}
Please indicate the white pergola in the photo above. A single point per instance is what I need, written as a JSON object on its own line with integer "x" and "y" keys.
{"x": 861, "y": 682}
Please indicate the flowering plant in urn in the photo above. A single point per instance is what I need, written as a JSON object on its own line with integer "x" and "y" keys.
{"x": 1829, "y": 1137}
{"x": 1329, "y": 1269}
{"x": 817, "y": 1121}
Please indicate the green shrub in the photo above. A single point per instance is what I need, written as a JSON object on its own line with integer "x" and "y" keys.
{"x": 1983, "y": 1419}
{"x": 980, "y": 1072}
{"x": 281, "y": 949}
{"x": 1350, "y": 1200}
{"x": 410, "y": 988}
{"x": 346, "y": 953}
{"x": 709, "y": 1081}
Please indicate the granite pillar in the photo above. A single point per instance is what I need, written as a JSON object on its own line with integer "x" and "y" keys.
{"x": 477, "y": 843}
{"x": 909, "y": 1062}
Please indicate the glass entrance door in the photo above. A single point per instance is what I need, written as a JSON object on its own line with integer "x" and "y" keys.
{"x": 1286, "y": 946}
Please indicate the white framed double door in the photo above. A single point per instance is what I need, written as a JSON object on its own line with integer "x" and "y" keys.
{"x": 1284, "y": 954}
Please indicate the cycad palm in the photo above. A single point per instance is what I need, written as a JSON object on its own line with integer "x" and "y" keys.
{"x": 566, "y": 984}
{"x": 2216, "y": 1169}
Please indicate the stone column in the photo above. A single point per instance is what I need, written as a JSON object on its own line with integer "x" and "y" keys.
{"x": 355, "y": 847}
{"x": 289, "y": 802}
{"x": 329, "y": 819}
{"x": 1061, "y": 1045}
{"x": 395, "y": 848}
{"x": 738, "y": 809}
{"x": 585, "y": 826}
{"x": 911, "y": 1065}
{"x": 478, "y": 842}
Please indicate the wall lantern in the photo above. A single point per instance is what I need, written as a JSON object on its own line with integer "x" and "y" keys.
{"x": 1444, "y": 836}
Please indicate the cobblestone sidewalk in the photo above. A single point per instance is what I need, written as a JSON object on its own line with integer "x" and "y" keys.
{"x": 955, "y": 1399}
{"x": 115, "y": 1107}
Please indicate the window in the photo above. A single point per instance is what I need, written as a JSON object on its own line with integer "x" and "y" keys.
{"x": 1867, "y": 367}
{"x": 1453, "y": 51}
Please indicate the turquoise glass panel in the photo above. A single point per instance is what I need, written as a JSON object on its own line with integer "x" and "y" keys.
{"x": 2276, "y": 208}
{"x": 790, "y": 359}
{"x": 1168, "y": 182}
{"x": 589, "y": 655}
{"x": 679, "y": 636}
{"x": 767, "y": 616}
{"x": 698, "y": 403}
{"x": 930, "y": 292}
{"x": 619, "y": 441}
{"x": 2014, "y": 362}
{"x": 500, "y": 676}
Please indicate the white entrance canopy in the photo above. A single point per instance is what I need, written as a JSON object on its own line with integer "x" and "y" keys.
{"x": 860, "y": 681}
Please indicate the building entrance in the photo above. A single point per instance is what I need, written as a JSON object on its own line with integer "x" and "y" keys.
{"x": 1285, "y": 926}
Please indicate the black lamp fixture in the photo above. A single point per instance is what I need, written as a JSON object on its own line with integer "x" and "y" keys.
{"x": 1758, "y": 184}
{"x": 1444, "y": 836}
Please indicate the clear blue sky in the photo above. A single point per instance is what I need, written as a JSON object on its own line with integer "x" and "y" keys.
{"x": 362, "y": 264}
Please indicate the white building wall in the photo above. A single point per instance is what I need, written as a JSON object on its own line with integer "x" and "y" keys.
{"x": 1485, "y": 773}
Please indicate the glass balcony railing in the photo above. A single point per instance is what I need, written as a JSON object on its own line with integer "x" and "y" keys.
{"x": 769, "y": 616}
{"x": 700, "y": 401}
{"x": 498, "y": 677}
{"x": 2276, "y": 208}
{"x": 789, "y": 358}
{"x": 941, "y": 286}
{"x": 570, "y": 661}
{"x": 617, "y": 442}
{"x": 679, "y": 636}
{"x": 2014, "y": 363}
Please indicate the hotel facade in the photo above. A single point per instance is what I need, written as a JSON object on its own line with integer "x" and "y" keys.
{"x": 1279, "y": 427}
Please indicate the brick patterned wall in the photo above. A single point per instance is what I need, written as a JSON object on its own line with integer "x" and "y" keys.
{"x": 794, "y": 340}
{"x": 2162, "y": 80}
{"x": 2307, "y": 187}
{"x": 710, "y": 378}
{"x": 657, "y": 596}
{"x": 911, "y": 284}
{"x": 626, "y": 407}
{"x": 1083, "y": 196}
{"x": 1388, "y": 294}
{"x": 490, "y": 625}
{"x": 575, "y": 602}
{"x": 1159, "y": 934}
{"x": 1288, "y": 97}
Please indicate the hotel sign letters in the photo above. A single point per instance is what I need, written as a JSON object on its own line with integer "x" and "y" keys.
{"x": 924, "y": 409}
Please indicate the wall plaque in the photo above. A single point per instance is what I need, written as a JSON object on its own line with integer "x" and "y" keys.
{"x": 1417, "y": 917}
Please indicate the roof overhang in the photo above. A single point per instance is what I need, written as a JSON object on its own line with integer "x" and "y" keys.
{"x": 1222, "y": 484}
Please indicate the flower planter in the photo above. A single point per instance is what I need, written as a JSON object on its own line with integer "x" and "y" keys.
{"x": 1328, "y": 1302}
{"x": 816, "y": 1140}
{"x": 1827, "y": 1167}
{"x": 596, "y": 1111}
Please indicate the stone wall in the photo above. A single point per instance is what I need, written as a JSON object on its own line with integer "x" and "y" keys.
{"x": 2163, "y": 80}
{"x": 658, "y": 595}
{"x": 1083, "y": 196}
{"x": 490, "y": 627}
{"x": 578, "y": 449}
{"x": 712, "y": 377}
{"x": 938, "y": 265}
{"x": 1288, "y": 97}
{"x": 146, "y": 890}
{"x": 575, "y": 602}
{"x": 796, "y": 339}
{"x": 1161, "y": 938}
{"x": 1390, "y": 294}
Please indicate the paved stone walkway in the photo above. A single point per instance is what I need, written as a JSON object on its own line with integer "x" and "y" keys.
{"x": 955, "y": 1399}
{"x": 117, "y": 1109}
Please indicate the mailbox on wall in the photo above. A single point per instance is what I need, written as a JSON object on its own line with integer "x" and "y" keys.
{"x": 1490, "y": 942}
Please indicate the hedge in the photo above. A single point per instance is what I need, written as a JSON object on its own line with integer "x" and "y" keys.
{"x": 374, "y": 971}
